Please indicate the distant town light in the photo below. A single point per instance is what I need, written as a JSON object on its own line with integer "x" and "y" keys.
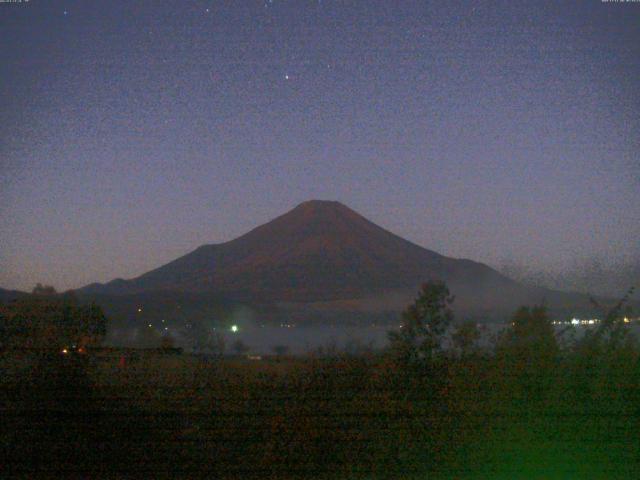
{"x": 139, "y": 310}
{"x": 65, "y": 351}
{"x": 150, "y": 325}
{"x": 234, "y": 328}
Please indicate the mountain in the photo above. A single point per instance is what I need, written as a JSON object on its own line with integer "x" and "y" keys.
{"x": 9, "y": 295}
{"x": 324, "y": 256}
{"x": 595, "y": 276}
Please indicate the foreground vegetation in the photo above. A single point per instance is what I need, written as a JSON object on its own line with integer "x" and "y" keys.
{"x": 532, "y": 407}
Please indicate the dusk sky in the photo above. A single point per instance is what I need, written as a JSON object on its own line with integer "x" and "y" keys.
{"x": 135, "y": 131}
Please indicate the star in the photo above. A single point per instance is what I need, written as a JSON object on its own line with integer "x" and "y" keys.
{"x": 286, "y": 77}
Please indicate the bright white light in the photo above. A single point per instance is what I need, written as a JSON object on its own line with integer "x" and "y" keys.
{"x": 234, "y": 328}
{"x": 139, "y": 310}
{"x": 150, "y": 325}
{"x": 65, "y": 351}
{"x": 575, "y": 321}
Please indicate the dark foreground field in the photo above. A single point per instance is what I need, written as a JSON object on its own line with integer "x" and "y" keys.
{"x": 341, "y": 417}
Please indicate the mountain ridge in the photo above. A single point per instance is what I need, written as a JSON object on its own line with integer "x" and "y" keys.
{"x": 323, "y": 251}
{"x": 7, "y": 295}
{"x": 307, "y": 233}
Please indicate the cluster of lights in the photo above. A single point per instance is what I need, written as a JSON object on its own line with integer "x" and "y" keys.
{"x": 584, "y": 321}
{"x": 577, "y": 321}
{"x": 591, "y": 321}
{"x": 287, "y": 325}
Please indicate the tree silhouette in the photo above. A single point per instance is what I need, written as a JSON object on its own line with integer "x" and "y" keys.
{"x": 40, "y": 289}
{"x": 167, "y": 342}
{"x": 240, "y": 347}
{"x": 612, "y": 332}
{"x": 424, "y": 323}
{"x": 530, "y": 339}
{"x": 465, "y": 338}
{"x": 280, "y": 350}
{"x": 148, "y": 337}
{"x": 45, "y": 322}
{"x": 204, "y": 339}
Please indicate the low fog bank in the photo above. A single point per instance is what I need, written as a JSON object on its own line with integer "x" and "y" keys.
{"x": 302, "y": 340}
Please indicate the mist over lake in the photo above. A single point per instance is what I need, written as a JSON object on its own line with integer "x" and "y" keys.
{"x": 303, "y": 340}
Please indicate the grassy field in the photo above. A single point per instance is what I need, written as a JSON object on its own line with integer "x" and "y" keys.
{"x": 340, "y": 417}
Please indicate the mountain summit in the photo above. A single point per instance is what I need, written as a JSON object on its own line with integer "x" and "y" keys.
{"x": 323, "y": 251}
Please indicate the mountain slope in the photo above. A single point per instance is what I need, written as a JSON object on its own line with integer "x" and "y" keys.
{"x": 9, "y": 295}
{"x": 322, "y": 252}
